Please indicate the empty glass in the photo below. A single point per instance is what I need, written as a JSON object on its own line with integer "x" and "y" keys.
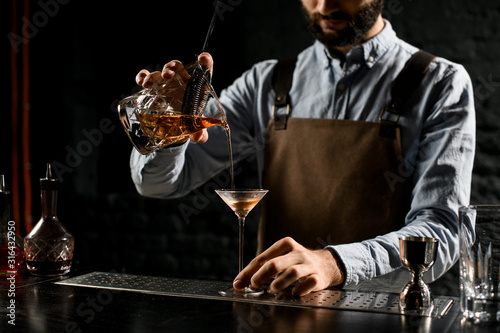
{"x": 480, "y": 263}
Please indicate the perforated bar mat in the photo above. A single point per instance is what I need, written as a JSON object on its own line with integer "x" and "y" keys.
{"x": 329, "y": 299}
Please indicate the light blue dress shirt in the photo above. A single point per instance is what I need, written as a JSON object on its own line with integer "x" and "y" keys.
{"x": 437, "y": 130}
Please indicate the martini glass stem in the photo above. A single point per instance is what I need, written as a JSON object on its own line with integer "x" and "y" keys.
{"x": 241, "y": 228}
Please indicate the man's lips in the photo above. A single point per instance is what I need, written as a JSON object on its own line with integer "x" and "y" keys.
{"x": 329, "y": 23}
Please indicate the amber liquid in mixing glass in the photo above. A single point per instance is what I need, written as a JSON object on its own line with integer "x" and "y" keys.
{"x": 169, "y": 129}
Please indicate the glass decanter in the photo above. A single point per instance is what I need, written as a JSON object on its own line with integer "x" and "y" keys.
{"x": 11, "y": 253}
{"x": 48, "y": 248}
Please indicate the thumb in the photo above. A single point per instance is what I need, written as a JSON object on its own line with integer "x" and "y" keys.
{"x": 206, "y": 60}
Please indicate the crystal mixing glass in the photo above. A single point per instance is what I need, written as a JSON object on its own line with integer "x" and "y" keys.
{"x": 171, "y": 110}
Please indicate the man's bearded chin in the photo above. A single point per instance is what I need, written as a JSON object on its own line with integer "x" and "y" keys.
{"x": 356, "y": 30}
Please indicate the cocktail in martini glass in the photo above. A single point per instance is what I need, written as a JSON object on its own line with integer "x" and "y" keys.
{"x": 241, "y": 201}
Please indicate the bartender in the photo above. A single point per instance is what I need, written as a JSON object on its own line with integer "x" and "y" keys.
{"x": 355, "y": 153}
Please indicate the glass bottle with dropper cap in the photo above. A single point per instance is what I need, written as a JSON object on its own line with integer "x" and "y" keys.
{"x": 48, "y": 248}
{"x": 11, "y": 253}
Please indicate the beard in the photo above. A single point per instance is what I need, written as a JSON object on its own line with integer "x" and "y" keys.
{"x": 356, "y": 30}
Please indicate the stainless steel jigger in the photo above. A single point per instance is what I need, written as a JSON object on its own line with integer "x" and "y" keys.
{"x": 418, "y": 255}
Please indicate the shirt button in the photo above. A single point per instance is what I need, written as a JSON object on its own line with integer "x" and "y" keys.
{"x": 341, "y": 86}
{"x": 370, "y": 59}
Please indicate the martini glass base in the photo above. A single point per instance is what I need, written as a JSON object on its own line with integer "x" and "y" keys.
{"x": 246, "y": 292}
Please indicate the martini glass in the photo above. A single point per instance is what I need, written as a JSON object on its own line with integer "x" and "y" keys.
{"x": 241, "y": 201}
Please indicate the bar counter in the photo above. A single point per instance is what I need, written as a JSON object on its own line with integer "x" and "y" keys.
{"x": 43, "y": 304}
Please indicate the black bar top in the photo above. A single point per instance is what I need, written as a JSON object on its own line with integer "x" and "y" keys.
{"x": 39, "y": 304}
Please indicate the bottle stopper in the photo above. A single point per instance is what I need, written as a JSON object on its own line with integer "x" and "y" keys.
{"x": 49, "y": 183}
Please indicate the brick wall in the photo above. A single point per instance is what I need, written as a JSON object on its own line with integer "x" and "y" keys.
{"x": 466, "y": 32}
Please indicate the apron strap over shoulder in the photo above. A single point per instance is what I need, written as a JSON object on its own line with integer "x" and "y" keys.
{"x": 282, "y": 82}
{"x": 402, "y": 88}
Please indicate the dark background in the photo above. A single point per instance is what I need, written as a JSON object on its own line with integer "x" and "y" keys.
{"x": 83, "y": 57}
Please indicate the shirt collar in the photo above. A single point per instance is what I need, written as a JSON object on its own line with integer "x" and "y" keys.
{"x": 369, "y": 52}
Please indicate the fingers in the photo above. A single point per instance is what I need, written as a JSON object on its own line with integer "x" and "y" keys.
{"x": 200, "y": 136}
{"x": 287, "y": 278}
{"x": 247, "y": 275}
{"x": 173, "y": 67}
{"x": 139, "y": 78}
{"x": 279, "y": 248}
{"x": 287, "y": 262}
{"x": 146, "y": 79}
{"x": 282, "y": 271}
{"x": 307, "y": 285}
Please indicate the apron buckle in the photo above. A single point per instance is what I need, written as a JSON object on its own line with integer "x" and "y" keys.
{"x": 391, "y": 112}
{"x": 388, "y": 123}
{"x": 280, "y": 116}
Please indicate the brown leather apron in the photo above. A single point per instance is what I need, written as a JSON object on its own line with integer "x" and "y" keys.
{"x": 333, "y": 181}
